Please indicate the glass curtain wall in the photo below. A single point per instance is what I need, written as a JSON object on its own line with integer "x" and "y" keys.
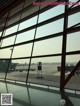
{"x": 32, "y": 45}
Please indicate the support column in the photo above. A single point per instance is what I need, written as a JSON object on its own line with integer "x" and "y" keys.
{"x": 64, "y": 40}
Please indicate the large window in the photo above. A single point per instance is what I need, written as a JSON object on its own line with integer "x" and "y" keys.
{"x": 33, "y": 37}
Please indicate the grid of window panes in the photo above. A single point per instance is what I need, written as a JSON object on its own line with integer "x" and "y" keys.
{"x": 18, "y": 46}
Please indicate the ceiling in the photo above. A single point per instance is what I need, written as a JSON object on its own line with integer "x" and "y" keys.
{"x": 5, "y": 6}
{"x": 5, "y": 3}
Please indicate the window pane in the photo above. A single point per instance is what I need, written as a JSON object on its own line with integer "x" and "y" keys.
{"x": 5, "y": 53}
{"x": 8, "y": 41}
{"x": 50, "y": 28}
{"x": 50, "y": 46}
{"x": 51, "y": 13}
{"x": 18, "y": 70}
{"x": 0, "y": 33}
{"x": 29, "y": 35}
{"x": 73, "y": 41}
{"x": 11, "y": 30}
{"x": 22, "y": 51}
{"x": 28, "y": 23}
{"x": 48, "y": 73}
{"x": 3, "y": 67}
{"x": 73, "y": 19}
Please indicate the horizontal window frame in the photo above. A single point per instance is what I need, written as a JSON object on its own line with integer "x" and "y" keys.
{"x": 70, "y": 12}
{"x": 68, "y": 31}
{"x": 42, "y": 56}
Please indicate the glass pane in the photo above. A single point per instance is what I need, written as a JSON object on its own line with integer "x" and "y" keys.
{"x": 28, "y": 23}
{"x": 29, "y": 35}
{"x": 18, "y": 70}
{"x": 50, "y": 46}
{"x": 11, "y": 30}
{"x": 3, "y": 66}
{"x": 22, "y": 51}
{"x": 8, "y": 41}
{"x": 72, "y": 58}
{"x": 73, "y": 19}
{"x": 0, "y": 33}
{"x": 73, "y": 41}
{"x": 5, "y": 53}
{"x": 19, "y": 90}
{"x": 51, "y": 13}
{"x": 46, "y": 71}
{"x": 50, "y": 28}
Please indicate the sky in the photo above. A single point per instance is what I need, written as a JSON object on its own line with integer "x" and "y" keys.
{"x": 50, "y": 46}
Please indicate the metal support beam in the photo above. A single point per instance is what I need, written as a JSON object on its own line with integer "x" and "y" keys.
{"x": 71, "y": 11}
{"x": 42, "y": 56}
{"x": 72, "y": 73}
{"x": 63, "y": 59}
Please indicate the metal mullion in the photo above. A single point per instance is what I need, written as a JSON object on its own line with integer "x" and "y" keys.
{"x": 73, "y": 52}
{"x": 64, "y": 40}
{"x": 36, "y": 40}
{"x": 73, "y": 29}
{"x": 41, "y": 56}
{"x": 69, "y": 30}
{"x": 30, "y": 16}
{"x": 40, "y": 24}
{"x": 71, "y": 11}
{"x": 34, "y": 26}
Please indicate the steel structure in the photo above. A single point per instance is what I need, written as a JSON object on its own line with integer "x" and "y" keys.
{"x": 6, "y": 16}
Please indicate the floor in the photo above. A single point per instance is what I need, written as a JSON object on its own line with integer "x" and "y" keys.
{"x": 39, "y": 96}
